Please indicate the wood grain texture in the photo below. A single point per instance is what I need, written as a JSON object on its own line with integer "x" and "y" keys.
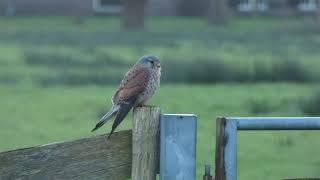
{"x": 220, "y": 149}
{"x": 145, "y": 143}
{"x": 87, "y": 158}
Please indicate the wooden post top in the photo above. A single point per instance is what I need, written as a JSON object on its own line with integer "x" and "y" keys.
{"x": 145, "y": 143}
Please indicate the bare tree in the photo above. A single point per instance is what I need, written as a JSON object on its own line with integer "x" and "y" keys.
{"x": 11, "y": 8}
{"x": 318, "y": 14}
{"x": 133, "y": 14}
{"x": 218, "y": 11}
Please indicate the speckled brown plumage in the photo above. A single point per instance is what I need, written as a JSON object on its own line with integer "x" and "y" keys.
{"x": 138, "y": 85}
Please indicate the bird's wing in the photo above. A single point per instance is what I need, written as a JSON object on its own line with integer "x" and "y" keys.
{"x": 133, "y": 83}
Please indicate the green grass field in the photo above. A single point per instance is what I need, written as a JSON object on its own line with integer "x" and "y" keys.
{"x": 40, "y": 105}
{"x": 32, "y": 116}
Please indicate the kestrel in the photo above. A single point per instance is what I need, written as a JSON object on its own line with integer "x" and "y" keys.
{"x": 138, "y": 85}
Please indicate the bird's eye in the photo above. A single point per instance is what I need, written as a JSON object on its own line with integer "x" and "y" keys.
{"x": 152, "y": 62}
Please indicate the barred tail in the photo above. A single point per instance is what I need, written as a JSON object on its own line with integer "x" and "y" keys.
{"x": 106, "y": 117}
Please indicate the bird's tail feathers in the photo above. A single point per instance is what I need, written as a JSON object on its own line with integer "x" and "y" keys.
{"x": 106, "y": 117}
{"x": 121, "y": 114}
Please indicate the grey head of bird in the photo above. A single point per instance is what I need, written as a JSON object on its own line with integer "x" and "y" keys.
{"x": 150, "y": 61}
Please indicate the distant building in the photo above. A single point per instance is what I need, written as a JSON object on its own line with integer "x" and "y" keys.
{"x": 280, "y": 5}
{"x": 154, "y": 7}
{"x": 80, "y": 7}
{"x": 46, "y": 7}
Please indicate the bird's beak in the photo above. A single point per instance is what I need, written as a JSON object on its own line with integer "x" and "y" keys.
{"x": 158, "y": 65}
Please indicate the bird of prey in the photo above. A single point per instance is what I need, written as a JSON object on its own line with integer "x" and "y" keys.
{"x": 137, "y": 86}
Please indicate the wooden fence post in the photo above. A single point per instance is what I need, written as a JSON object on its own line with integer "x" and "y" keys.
{"x": 220, "y": 143}
{"x": 145, "y": 143}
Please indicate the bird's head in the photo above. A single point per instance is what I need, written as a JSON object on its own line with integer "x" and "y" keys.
{"x": 150, "y": 61}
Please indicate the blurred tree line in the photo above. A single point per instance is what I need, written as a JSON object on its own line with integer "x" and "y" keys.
{"x": 215, "y": 11}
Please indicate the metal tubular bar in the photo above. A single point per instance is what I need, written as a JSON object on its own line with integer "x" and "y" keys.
{"x": 230, "y": 159}
{"x": 253, "y": 123}
{"x": 278, "y": 123}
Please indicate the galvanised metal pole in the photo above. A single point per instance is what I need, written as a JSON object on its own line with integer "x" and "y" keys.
{"x": 278, "y": 123}
{"x": 230, "y": 159}
{"x": 227, "y": 145}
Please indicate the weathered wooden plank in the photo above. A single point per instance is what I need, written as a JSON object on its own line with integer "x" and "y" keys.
{"x": 87, "y": 158}
{"x": 145, "y": 143}
{"x": 178, "y": 147}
